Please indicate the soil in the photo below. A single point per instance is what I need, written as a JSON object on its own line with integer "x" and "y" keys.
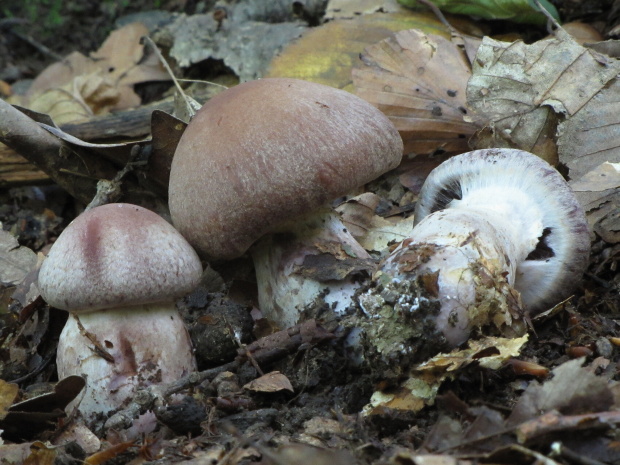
{"x": 217, "y": 416}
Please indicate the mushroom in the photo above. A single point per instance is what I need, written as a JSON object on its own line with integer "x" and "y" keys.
{"x": 118, "y": 269}
{"x": 260, "y": 157}
{"x": 309, "y": 269}
{"x": 487, "y": 223}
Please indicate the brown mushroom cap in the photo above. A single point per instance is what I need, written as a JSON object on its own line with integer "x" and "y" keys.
{"x": 267, "y": 151}
{"x": 118, "y": 255}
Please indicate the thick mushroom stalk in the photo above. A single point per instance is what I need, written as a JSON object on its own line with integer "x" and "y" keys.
{"x": 108, "y": 347}
{"x": 118, "y": 269}
{"x": 312, "y": 266}
{"x": 488, "y": 222}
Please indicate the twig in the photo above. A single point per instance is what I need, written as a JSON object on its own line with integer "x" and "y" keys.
{"x": 265, "y": 350}
{"x": 191, "y": 105}
{"x": 110, "y": 191}
{"x": 437, "y": 12}
{"x": 560, "y": 450}
{"x": 50, "y": 154}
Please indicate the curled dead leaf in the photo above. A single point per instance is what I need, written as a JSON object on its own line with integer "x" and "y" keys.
{"x": 271, "y": 382}
{"x": 79, "y": 87}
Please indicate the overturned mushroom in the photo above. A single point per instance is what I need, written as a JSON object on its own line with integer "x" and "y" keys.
{"x": 488, "y": 222}
{"x": 260, "y": 156}
{"x": 118, "y": 269}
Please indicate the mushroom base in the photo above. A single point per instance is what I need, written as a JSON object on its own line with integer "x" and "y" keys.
{"x": 121, "y": 350}
{"x": 452, "y": 277}
{"x": 314, "y": 265}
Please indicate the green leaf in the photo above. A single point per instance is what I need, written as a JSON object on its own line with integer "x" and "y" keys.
{"x": 519, "y": 11}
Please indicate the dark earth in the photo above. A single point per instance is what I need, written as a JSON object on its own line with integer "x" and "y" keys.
{"x": 329, "y": 391}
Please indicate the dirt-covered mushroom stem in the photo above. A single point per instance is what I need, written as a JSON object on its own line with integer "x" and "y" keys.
{"x": 118, "y": 269}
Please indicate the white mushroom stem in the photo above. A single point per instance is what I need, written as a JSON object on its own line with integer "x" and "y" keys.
{"x": 120, "y": 350}
{"x": 464, "y": 259}
{"x": 286, "y": 288}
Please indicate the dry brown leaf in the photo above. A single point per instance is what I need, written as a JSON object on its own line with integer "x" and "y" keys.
{"x": 373, "y": 232}
{"x": 27, "y": 453}
{"x": 78, "y": 87}
{"x": 523, "y": 91}
{"x": 602, "y": 177}
{"x": 109, "y": 453}
{"x": 60, "y": 73}
{"x": 421, "y": 388}
{"x": 271, "y": 382}
{"x": 557, "y": 99}
{"x": 574, "y": 389}
{"x": 419, "y": 81}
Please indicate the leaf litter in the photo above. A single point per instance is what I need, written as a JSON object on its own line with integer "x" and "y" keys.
{"x": 303, "y": 358}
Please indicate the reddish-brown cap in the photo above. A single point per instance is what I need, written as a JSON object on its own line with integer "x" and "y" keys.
{"x": 267, "y": 151}
{"x": 117, "y": 255}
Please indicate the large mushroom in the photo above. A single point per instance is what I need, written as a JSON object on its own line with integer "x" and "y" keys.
{"x": 118, "y": 269}
{"x": 262, "y": 156}
{"x": 487, "y": 223}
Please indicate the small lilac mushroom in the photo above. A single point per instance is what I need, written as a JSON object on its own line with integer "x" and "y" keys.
{"x": 260, "y": 158}
{"x": 487, "y": 223}
{"x": 118, "y": 269}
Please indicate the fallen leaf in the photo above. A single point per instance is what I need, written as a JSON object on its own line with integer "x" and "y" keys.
{"x": 8, "y": 394}
{"x": 602, "y": 177}
{"x": 326, "y": 54}
{"x": 372, "y": 231}
{"x": 574, "y": 389}
{"x": 40, "y": 454}
{"x": 419, "y": 81}
{"x": 425, "y": 379}
{"x": 79, "y": 87}
{"x": 15, "y": 261}
{"x": 166, "y": 132}
{"x": 523, "y": 91}
{"x": 109, "y": 453}
{"x": 519, "y": 11}
{"x": 28, "y": 418}
{"x": 245, "y": 45}
{"x": 554, "y": 423}
{"x": 27, "y": 453}
{"x": 271, "y": 382}
{"x": 348, "y": 9}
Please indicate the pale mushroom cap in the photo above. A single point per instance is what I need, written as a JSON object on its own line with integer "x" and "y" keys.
{"x": 118, "y": 255}
{"x": 548, "y": 225}
{"x": 267, "y": 151}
